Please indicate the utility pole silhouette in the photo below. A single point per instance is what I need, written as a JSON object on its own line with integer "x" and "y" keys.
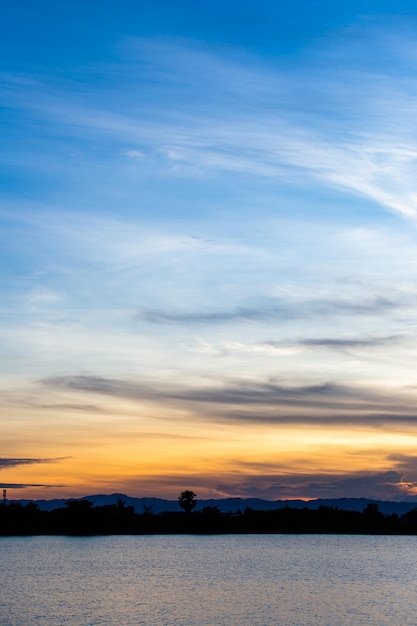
{"x": 4, "y": 496}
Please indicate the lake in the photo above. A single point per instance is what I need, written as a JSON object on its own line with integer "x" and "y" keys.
{"x": 227, "y": 580}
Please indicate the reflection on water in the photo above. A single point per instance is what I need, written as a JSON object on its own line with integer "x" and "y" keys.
{"x": 287, "y": 580}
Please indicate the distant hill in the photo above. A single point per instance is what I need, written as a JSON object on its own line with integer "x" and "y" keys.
{"x": 231, "y": 505}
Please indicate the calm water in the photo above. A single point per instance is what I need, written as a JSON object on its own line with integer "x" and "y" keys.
{"x": 218, "y": 580}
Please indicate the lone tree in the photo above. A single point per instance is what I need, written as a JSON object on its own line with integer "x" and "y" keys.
{"x": 187, "y": 500}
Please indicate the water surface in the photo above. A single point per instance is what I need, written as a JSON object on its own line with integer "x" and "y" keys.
{"x": 287, "y": 580}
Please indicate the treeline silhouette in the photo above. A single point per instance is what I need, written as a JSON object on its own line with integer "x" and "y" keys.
{"x": 81, "y": 517}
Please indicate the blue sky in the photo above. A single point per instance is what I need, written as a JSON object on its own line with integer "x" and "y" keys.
{"x": 208, "y": 248}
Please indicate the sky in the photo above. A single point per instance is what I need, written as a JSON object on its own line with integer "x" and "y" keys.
{"x": 208, "y": 221}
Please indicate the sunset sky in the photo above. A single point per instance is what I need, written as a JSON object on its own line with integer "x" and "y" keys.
{"x": 209, "y": 248}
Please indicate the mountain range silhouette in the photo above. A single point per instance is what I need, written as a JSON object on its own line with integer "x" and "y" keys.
{"x": 229, "y": 505}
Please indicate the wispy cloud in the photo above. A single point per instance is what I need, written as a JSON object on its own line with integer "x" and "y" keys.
{"x": 366, "y": 149}
{"x": 291, "y": 347}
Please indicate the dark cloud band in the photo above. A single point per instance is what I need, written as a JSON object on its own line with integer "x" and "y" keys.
{"x": 257, "y": 402}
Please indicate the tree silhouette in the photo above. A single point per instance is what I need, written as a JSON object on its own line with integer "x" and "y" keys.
{"x": 187, "y": 500}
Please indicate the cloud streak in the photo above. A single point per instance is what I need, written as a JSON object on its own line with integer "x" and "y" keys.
{"x": 25, "y": 485}
{"x": 7, "y": 463}
{"x": 282, "y": 311}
